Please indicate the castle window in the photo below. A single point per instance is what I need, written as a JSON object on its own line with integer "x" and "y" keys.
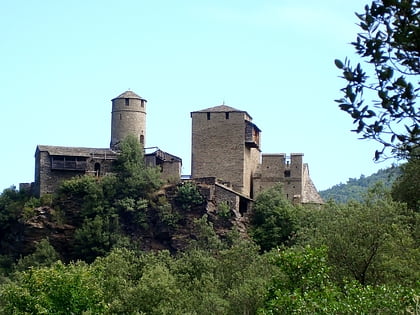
{"x": 141, "y": 139}
{"x": 227, "y": 115}
{"x": 142, "y": 103}
{"x": 287, "y": 173}
{"x": 208, "y": 116}
{"x": 127, "y": 102}
{"x": 120, "y": 116}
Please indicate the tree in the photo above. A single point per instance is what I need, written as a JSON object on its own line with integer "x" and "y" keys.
{"x": 273, "y": 219}
{"x": 370, "y": 241}
{"x": 407, "y": 187}
{"x": 134, "y": 179}
{"x": 59, "y": 289}
{"x": 304, "y": 287}
{"x": 390, "y": 45}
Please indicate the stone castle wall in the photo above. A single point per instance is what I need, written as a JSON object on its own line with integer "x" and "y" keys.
{"x": 218, "y": 148}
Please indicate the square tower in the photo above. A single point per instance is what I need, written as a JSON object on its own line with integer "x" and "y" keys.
{"x": 225, "y": 145}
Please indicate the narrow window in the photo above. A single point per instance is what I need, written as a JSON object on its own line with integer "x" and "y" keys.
{"x": 227, "y": 115}
{"x": 287, "y": 173}
{"x": 120, "y": 116}
{"x": 208, "y": 116}
{"x": 142, "y": 103}
{"x": 127, "y": 102}
{"x": 141, "y": 139}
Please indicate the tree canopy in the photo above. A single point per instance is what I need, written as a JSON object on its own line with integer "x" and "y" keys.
{"x": 381, "y": 93}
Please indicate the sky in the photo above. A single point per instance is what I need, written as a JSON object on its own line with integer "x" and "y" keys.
{"x": 63, "y": 61}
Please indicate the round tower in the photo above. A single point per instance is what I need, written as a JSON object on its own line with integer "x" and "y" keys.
{"x": 128, "y": 117}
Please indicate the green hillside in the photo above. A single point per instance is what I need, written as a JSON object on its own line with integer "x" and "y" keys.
{"x": 355, "y": 188}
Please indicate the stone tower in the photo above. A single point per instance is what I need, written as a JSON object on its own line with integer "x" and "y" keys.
{"x": 128, "y": 118}
{"x": 225, "y": 145}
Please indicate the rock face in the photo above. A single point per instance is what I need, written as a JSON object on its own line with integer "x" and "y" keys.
{"x": 44, "y": 225}
{"x": 157, "y": 233}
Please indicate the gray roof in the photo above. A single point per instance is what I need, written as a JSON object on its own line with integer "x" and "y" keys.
{"x": 221, "y": 109}
{"x": 165, "y": 156}
{"x": 75, "y": 151}
{"x": 129, "y": 94}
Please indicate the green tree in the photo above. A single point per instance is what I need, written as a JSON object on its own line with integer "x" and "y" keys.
{"x": 188, "y": 196}
{"x": 134, "y": 179}
{"x": 407, "y": 187}
{"x": 304, "y": 287}
{"x": 97, "y": 236}
{"x": 59, "y": 289}
{"x": 273, "y": 219}
{"x": 44, "y": 255}
{"x": 369, "y": 241}
{"x": 389, "y": 43}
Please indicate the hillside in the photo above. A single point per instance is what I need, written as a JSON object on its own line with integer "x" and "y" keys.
{"x": 355, "y": 188}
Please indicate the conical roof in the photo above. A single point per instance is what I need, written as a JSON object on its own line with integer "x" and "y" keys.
{"x": 129, "y": 94}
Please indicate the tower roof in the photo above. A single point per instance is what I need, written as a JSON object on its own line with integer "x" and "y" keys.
{"x": 129, "y": 94}
{"x": 221, "y": 109}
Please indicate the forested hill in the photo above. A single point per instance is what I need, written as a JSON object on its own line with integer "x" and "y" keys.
{"x": 355, "y": 188}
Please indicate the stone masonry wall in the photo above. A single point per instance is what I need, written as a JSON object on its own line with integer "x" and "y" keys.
{"x": 128, "y": 120}
{"x": 218, "y": 148}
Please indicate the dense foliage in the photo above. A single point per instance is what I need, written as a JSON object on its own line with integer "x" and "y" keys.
{"x": 407, "y": 187}
{"x": 389, "y": 45}
{"x": 356, "y": 188}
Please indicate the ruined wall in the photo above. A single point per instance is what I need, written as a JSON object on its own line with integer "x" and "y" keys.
{"x": 277, "y": 168}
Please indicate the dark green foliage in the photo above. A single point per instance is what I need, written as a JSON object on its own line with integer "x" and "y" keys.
{"x": 407, "y": 187}
{"x": 12, "y": 203}
{"x": 188, "y": 196}
{"x": 389, "y": 44}
{"x": 273, "y": 219}
{"x": 97, "y": 236}
{"x": 370, "y": 241}
{"x": 134, "y": 179}
{"x": 45, "y": 255}
{"x": 355, "y": 189}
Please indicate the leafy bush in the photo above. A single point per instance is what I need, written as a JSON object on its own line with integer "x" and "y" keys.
{"x": 273, "y": 219}
{"x": 304, "y": 287}
{"x": 188, "y": 196}
{"x": 223, "y": 209}
{"x": 59, "y": 289}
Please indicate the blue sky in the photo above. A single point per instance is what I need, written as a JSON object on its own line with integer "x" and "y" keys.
{"x": 63, "y": 61}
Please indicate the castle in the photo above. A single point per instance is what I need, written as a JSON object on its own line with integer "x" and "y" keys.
{"x": 226, "y": 156}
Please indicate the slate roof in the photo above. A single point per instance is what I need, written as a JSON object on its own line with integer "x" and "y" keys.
{"x": 165, "y": 156}
{"x": 221, "y": 109}
{"x": 75, "y": 151}
{"x": 129, "y": 94}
